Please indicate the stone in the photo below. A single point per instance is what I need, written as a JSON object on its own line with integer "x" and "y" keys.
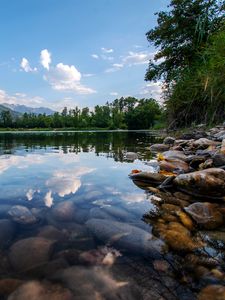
{"x": 222, "y": 150}
{"x": 161, "y": 265}
{"x": 169, "y": 140}
{"x": 64, "y": 211}
{"x": 206, "y": 183}
{"x": 51, "y": 233}
{"x": 159, "y": 147}
{"x": 35, "y": 290}
{"x": 220, "y": 135}
{"x": 148, "y": 178}
{"x": 7, "y": 230}
{"x": 218, "y": 159}
{"x": 203, "y": 143}
{"x": 22, "y": 215}
{"x": 9, "y": 285}
{"x": 30, "y": 252}
{"x": 174, "y": 154}
{"x": 212, "y": 292}
{"x": 174, "y": 166}
{"x": 185, "y": 220}
{"x": 126, "y": 237}
{"x": 205, "y": 214}
{"x": 130, "y": 156}
{"x": 97, "y": 283}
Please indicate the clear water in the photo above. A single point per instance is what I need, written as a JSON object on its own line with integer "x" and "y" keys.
{"x": 89, "y": 170}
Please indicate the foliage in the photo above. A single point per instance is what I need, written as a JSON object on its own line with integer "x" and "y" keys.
{"x": 123, "y": 113}
{"x": 190, "y": 37}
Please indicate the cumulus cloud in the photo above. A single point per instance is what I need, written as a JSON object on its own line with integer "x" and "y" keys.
{"x": 152, "y": 89}
{"x": 48, "y": 199}
{"x": 20, "y": 98}
{"x": 45, "y": 58}
{"x": 137, "y": 58}
{"x": 95, "y": 56}
{"x": 105, "y": 50}
{"x": 66, "y": 78}
{"x": 25, "y": 65}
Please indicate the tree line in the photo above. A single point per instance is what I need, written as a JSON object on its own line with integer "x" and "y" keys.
{"x": 123, "y": 113}
{"x": 190, "y": 61}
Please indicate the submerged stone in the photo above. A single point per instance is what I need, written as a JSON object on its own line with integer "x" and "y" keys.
{"x": 159, "y": 147}
{"x": 64, "y": 211}
{"x": 35, "y": 290}
{"x": 22, "y": 215}
{"x": 7, "y": 231}
{"x": 126, "y": 237}
{"x": 205, "y": 214}
{"x": 212, "y": 292}
{"x": 28, "y": 253}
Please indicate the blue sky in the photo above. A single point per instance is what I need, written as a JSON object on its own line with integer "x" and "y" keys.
{"x": 58, "y": 53}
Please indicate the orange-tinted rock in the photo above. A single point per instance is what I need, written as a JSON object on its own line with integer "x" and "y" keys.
{"x": 212, "y": 292}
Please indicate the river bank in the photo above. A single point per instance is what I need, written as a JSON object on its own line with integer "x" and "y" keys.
{"x": 188, "y": 193}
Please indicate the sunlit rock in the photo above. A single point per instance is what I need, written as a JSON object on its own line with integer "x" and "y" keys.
{"x": 174, "y": 165}
{"x": 22, "y": 215}
{"x": 148, "y": 178}
{"x": 30, "y": 252}
{"x": 174, "y": 154}
{"x": 185, "y": 220}
{"x": 208, "y": 182}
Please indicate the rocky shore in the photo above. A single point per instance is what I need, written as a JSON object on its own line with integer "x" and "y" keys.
{"x": 188, "y": 193}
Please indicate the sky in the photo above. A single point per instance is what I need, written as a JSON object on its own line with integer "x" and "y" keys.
{"x": 71, "y": 53}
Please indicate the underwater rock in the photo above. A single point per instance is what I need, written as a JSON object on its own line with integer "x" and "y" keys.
{"x": 159, "y": 147}
{"x": 4, "y": 208}
{"x": 64, "y": 211}
{"x": 97, "y": 283}
{"x": 214, "y": 236}
{"x": 7, "y": 230}
{"x": 161, "y": 265}
{"x": 178, "y": 237}
{"x": 101, "y": 256}
{"x": 212, "y": 292}
{"x": 207, "y": 183}
{"x": 35, "y": 290}
{"x": 185, "y": 220}
{"x": 30, "y": 252}
{"x": 205, "y": 214}
{"x": 9, "y": 285}
{"x": 127, "y": 237}
{"x": 51, "y": 233}
{"x": 22, "y": 215}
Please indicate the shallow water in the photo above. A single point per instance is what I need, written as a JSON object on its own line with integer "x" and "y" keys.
{"x": 77, "y": 189}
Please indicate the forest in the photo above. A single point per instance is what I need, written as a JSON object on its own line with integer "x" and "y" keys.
{"x": 123, "y": 113}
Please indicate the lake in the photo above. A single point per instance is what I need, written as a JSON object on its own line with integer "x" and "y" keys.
{"x": 72, "y": 220}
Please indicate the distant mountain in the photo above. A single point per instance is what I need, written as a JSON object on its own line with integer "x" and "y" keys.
{"x": 26, "y": 109}
{"x": 14, "y": 114}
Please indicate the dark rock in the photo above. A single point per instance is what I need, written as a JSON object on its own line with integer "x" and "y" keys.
{"x": 35, "y": 290}
{"x": 159, "y": 147}
{"x": 125, "y": 236}
{"x": 169, "y": 140}
{"x": 7, "y": 230}
{"x": 51, "y": 233}
{"x": 22, "y": 215}
{"x": 64, "y": 211}
{"x": 9, "y": 285}
{"x": 28, "y": 253}
{"x": 218, "y": 159}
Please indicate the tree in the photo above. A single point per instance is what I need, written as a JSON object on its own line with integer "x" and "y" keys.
{"x": 6, "y": 118}
{"x": 181, "y": 35}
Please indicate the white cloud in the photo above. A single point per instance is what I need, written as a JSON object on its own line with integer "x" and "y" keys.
{"x": 95, "y": 56}
{"x": 45, "y": 58}
{"x": 137, "y": 58}
{"x": 25, "y": 65}
{"x": 114, "y": 94}
{"x": 105, "y": 50}
{"x": 66, "y": 78}
{"x": 152, "y": 89}
{"x": 106, "y": 57}
{"x": 114, "y": 68}
{"x": 21, "y": 98}
{"x": 88, "y": 75}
